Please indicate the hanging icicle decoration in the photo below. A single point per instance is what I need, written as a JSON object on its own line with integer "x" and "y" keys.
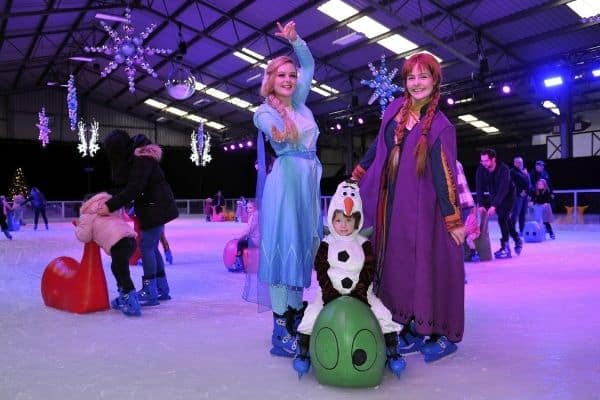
{"x": 42, "y": 125}
{"x": 72, "y": 102}
{"x": 194, "y": 145}
{"x": 206, "y": 157}
{"x": 82, "y": 146}
{"x": 93, "y": 146}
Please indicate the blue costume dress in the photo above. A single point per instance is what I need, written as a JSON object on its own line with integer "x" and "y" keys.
{"x": 290, "y": 217}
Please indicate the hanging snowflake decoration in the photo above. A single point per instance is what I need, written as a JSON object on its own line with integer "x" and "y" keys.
{"x": 72, "y": 102}
{"x": 382, "y": 83}
{"x": 82, "y": 147}
{"x": 206, "y": 157}
{"x": 127, "y": 49}
{"x": 93, "y": 142}
{"x": 43, "y": 127}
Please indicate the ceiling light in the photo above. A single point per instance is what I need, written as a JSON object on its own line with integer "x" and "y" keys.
{"x": 110, "y": 17}
{"x": 554, "y": 81}
{"x": 369, "y": 27}
{"x": 467, "y": 118}
{"x": 337, "y": 10}
{"x": 154, "y": 103}
{"x": 82, "y": 59}
{"x": 397, "y": 44}
{"x": 585, "y": 8}
{"x": 479, "y": 124}
{"x": 349, "y": 38}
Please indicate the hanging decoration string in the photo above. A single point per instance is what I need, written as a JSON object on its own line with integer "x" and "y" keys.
{"x": 72, "y": 102}
{"x": 42, "y": 125}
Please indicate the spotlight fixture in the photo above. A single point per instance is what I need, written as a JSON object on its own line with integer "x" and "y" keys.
{"x": 241, "y": 145}
{"x": 338, "y": 127}
{"x": 232, "y": 147}
{"x": 506, "y": 89}
{"x": 249, "y": 143}
{"x": 225, "y": 148}
{"x": 361, "y": 121}
{"x": 450, "y": 101}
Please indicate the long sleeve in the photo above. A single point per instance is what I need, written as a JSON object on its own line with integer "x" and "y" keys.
{"x": 481, "y": 182}
{"x": 83, "y": 230}
{"x": 503, "y": 183}
{"x": 445, "y": 186}
{"x": 307, "y": 70}
{"x": 367, "y": 274}
{"x": 139, "y": 176}
{"x": 322, "y": 266}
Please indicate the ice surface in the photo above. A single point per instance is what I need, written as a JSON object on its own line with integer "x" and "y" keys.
{"x": 531, "y": 329}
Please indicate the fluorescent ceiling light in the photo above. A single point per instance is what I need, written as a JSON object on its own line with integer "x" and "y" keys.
{"x": 253, "y": 54}
{"x": 219, "y": 94}
{"x": 329, "y": 88}
{"x": 479, "y": 124}
{"x": 154, "y": 103}
{"x": 397, "y": 44}
{"x": 177, "y": 111}
{"x": 161, "y": 119}
{"x": 82, "y": 58}
{"x": 467, "y": 118}
{"x": 554, "y": 81}
{"x": 490, "y": 129}
{"x": 110, "y": 17}
{"x": 245, "y": 57}
{"x": 320, "y": 91}
{"x": 555, "y": 110}
{"x": 195, "y": 118}
{"x": 349, "y": 38}
{"x": 199, "y": 86}
{"x": 596, "y": 73}
{"x": 548, "y": 104}
{"x": 253, "y": 108}
{"x": 253, "y": 77}
{"x": 368, "y": 26}
{"x": 238, "y": 102}
{"x": 585, "y": 8}
{"x": 337, "y": 10}
{"x": 215, "y": 125}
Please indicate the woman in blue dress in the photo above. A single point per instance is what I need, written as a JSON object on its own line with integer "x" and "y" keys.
{"x": 290, "y": 221}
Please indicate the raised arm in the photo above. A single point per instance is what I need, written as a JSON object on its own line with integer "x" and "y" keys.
{"x": 305, "y": 60}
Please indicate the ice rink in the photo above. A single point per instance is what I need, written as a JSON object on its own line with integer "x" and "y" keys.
{"x": 531, "y": 326}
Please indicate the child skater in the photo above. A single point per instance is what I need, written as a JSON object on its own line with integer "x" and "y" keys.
{"x": 540, "y": 199}
{"x": 346, "y": 219}
{"x": 117, "y": 238}
{"x": 250, "y": 237}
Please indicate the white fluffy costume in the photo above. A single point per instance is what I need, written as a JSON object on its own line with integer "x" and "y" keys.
{"x": 345, "y": 265}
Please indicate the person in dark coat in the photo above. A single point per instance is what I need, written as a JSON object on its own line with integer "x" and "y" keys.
{"x": 135, "y": 166}
{"x": 494, "y": 177}
{"x": 38, "y": 202}
{"x": 408, "y": 185}
{"x": 520, "y": 178}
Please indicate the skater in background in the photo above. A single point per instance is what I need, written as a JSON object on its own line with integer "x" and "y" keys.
{"x": 38, "y": 202}
{"x": 250, "y": 237}
{"x": 4, "y": 212}
{"x": 117, "y": 239}
{"x": 469, "y": 214}
{"x": 541, "y": 199}
{"x": 345, "y": 219}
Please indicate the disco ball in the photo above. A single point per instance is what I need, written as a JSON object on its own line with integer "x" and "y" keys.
{"x": 181, "y": 83}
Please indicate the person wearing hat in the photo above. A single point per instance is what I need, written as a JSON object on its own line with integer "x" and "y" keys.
{"x": 541, "y": 173}
{"x": 135, "y": 166}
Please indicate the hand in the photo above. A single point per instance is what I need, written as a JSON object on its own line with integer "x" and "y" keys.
{"x": 288, "y": 31}
{"x": 458, "y": 235}
{"x": 491, "y": 211}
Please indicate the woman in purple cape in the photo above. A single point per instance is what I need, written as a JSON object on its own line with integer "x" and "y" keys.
{"x": 408, "y": 184}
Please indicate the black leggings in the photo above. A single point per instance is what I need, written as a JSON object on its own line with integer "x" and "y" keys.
{"x": 120, "y": 253}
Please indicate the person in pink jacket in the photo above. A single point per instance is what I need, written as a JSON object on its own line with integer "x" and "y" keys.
{"x": 117, "y": 239}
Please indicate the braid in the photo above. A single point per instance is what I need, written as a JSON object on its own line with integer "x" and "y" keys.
{"x": 421, "y": 149}
{"x": 403, "y": 120}
{"x": 289, "y": 128}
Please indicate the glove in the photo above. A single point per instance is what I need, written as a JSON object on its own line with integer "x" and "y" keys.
{"x": 169, "y": 256}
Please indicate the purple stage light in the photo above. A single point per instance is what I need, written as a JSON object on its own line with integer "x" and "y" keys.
{"x": 249, "y": 143}
{"x": 225, "y": 148}
{"x": 338, "y": 127}
{"x": 232, "y": 147}
{"x": 506, "y": 89}
{"x": 241, "y": 145}
{"x": 361, "y": 121}
{"x": 450, "y": 101}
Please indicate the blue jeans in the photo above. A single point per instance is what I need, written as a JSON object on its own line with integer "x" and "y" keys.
{"x": 151, "y": 257}
{"x": 519, "y": 211}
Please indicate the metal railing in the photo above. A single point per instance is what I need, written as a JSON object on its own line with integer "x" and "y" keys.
{"x": 581, "y": 206}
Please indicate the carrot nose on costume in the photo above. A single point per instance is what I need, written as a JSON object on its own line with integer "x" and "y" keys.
{"x": 348, "y": 206}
